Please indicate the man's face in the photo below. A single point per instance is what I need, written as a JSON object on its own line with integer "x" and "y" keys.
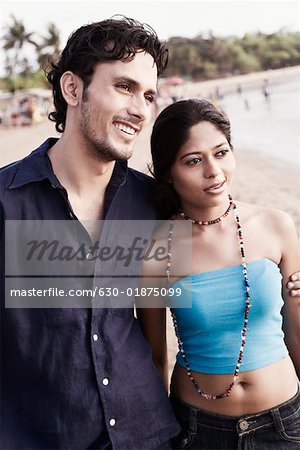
{"x": 116, "y": 105}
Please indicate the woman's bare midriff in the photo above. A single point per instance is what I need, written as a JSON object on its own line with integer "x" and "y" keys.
{"x": 255, "y": 390}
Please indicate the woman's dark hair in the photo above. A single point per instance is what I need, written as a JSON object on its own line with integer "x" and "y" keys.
{"x": 169, "y": 134}
{"x": 114, "y": 39}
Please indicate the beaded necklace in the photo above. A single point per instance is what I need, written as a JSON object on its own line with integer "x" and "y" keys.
{"x": 208, "y": 222}
{"x": 225, "y": 394}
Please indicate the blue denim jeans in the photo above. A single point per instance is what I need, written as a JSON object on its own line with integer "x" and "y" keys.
{"x": 275, "y": 429}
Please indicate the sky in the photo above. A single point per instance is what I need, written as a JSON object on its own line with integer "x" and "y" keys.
{"x": 167, "y": 17}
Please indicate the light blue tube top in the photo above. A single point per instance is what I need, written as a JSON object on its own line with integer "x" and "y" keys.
{"x": 211, "y": 328}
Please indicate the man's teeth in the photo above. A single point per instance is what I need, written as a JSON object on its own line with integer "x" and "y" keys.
{"x": 125, "y": 128}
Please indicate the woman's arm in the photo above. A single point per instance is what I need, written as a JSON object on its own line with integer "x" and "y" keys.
{"x": 290, "y": 261}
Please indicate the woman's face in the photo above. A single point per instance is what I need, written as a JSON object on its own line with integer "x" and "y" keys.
{"x": 204, "y": 167}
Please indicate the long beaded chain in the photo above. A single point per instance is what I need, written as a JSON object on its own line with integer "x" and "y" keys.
{"x": 246, "y": 309}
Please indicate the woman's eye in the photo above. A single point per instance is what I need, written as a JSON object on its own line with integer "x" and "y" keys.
{"x": 194, "y": 161}
{"x": 222, "y": 153}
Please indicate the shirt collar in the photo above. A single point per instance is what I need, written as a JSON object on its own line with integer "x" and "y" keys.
{"x": 37, "y": 167}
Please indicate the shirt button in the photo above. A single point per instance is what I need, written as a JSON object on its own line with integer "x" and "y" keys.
{"x": 105, "y": 381}
{"x": 89, "y": 256}
{"x": 112, "y": 422}
{"x": 95, "y": 337}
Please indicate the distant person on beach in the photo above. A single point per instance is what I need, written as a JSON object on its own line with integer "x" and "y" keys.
{"x": 239, "y": 89}
{"x": 236, "y": 379}
{"x": 246, "y": 104}
{"x": 266, "y": 89}
{"x": 83, "y": 378}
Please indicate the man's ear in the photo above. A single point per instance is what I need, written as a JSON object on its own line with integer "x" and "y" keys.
{"x": 71, "y": 88}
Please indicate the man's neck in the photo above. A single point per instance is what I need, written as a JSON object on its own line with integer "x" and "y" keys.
{"x": 78, "y": 171}
{"x": 85, "y": 179}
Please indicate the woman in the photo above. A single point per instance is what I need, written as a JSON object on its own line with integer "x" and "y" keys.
{"x": 235, "y": 382}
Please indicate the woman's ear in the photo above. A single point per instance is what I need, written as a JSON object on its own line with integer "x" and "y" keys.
{"x": 71, "y": 88}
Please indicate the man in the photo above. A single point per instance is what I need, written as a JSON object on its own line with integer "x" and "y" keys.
{"x": 82, "y": 378}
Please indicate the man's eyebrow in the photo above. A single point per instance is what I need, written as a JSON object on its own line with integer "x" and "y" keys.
{"x": 133, "y": 83}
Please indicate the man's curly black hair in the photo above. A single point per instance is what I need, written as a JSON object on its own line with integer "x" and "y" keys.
{"x": 118, "y": 38}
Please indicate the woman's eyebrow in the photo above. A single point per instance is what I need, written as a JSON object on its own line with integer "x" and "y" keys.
{"x": 216, "y": 147}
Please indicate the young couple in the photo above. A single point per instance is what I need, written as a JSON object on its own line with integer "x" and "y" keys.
{"x": 83, "y": 378}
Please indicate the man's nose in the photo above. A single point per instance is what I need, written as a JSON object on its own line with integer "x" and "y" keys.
{"x": 139, "y": 108}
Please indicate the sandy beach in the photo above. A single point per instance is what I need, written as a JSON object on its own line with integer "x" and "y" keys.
{"x": 246, "y": 82}
{"x": 260, "y": 179}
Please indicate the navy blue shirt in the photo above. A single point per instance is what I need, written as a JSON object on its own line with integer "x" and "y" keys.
{"x": 76, "y": 378}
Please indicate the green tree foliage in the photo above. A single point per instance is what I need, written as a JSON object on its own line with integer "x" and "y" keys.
{"x": 20, "y": 72}
{"x": 15, "y": 40}
{"x": 49, "y": 48}
{"x": 209, "y": 56}
{"x": 16, "y": 36}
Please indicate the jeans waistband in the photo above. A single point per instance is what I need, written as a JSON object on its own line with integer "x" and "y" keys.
{"x": 242, "y": 424}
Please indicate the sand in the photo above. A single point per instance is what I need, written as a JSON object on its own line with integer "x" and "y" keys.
{"x": 259, "y": 179}
{"x": 246, "y": 82}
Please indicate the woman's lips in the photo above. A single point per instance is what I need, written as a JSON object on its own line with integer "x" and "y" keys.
{"x": 216, "y": 187}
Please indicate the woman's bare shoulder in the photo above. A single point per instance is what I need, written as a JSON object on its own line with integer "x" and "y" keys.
{"x": 267, "y": 217}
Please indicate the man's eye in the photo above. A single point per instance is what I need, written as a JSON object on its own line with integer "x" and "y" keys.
{"x": 150, "y": 98}
{"x": 125, "y": 87}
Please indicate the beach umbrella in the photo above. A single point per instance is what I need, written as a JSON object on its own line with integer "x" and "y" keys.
{"x": 174, "y": 81}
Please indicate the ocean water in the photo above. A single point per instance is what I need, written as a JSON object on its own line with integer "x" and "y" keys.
{"x": 270, "y": 126}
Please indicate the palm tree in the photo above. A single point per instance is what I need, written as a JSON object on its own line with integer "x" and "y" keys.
{"x": 15, "y": 38}
{"x": 49, "y": 49}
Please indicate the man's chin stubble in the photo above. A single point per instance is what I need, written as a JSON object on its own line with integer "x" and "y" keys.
{"x": 104, "y": 152}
